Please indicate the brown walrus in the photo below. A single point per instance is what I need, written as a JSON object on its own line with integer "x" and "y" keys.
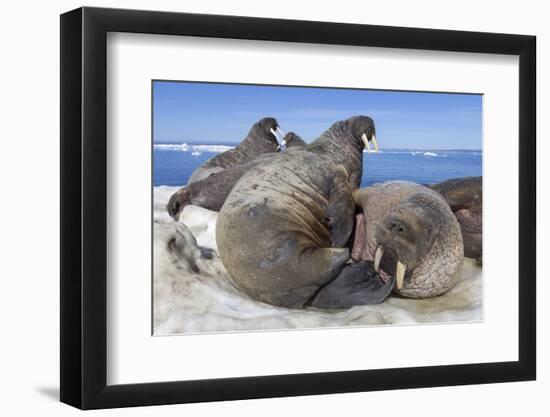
{"x": 465, "y": 196}
{"x": 282, "y": 231}
{"x": 212, "y": 191}
{"x": 262, "y": 138}
{"x": 409, "y": 231}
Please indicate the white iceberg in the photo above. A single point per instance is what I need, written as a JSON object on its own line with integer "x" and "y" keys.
{"x": 184, "y": 147}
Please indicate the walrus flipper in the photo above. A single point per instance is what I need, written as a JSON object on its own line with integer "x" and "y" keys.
{"x": 357, "y": 284}
{"x": 340, "y": 212}
{"x": 210, "y": 192}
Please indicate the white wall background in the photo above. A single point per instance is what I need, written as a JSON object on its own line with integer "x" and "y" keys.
{"x": 29, "y": 213}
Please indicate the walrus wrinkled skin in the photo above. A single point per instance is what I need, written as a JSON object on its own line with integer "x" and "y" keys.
{"x": 260, "y": 140}
{"x": 465, "y": 196}
{"x": 212, "y": 191}
{"x": 282, "y": 230}
{"x": 410, "y": 234}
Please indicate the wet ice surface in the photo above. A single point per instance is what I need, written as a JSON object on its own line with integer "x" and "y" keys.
{"x": 193, "y": 294}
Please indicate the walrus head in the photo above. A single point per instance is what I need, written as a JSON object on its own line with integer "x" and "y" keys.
{"x": 405, "y": 236}
{"x": 363, "y": 130}
{"x": 344, "y": 142}
{"x": 409, "y": 233}
{"x": 268, "y": 129}
{"x": 178, "y": 201}
{"x": 354, "y": 134}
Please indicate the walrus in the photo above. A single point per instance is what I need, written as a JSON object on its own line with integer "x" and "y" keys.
{"x": 262, "y": 138}
{"x": 465, "y": 196}
{"x": 282, "y": 231}
{"x": 409, "y": 232}
{"x": 212, "y": 191}
{"x": 292, "y": 141}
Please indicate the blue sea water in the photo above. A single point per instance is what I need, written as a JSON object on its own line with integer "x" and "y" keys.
{"x": 173, "y": 164}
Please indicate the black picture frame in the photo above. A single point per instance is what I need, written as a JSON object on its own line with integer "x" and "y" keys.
{"x": 84, "y": 207}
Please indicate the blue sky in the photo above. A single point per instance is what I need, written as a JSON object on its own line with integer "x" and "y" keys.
{"x": 215, "y": 113}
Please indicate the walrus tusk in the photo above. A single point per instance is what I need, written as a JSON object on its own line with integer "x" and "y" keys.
{"x": 278, "y": 131}
{"x": 375, "y": 143}
{"x": 378, "y": 257}
{"x": 400, "y": 274}
{"x": 366, "y": 142}
{"x": 282, "y": 145}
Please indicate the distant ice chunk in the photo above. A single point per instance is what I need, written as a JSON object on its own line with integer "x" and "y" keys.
{"x": 211, "y": 148}
{"x": 194, "y": 149}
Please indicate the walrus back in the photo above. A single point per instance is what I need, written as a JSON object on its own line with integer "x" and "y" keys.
{"x": 272, "y": 234}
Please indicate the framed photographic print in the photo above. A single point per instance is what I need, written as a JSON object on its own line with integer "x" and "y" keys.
{"x": 258, "y": 207}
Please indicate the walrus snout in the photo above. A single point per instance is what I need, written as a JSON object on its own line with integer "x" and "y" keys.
{"x": 395, "y": 249}
{"x": 408, "y": 232}
{"x": 398, "y": 232}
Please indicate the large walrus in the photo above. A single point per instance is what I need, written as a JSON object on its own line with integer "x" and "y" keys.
{"x": 282, "y": 231}
{"x": 211, "y": 192}
{"x": 410, "y": 233}
{"x": 465, "y": 196}
{"x": 262, "y": 138}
